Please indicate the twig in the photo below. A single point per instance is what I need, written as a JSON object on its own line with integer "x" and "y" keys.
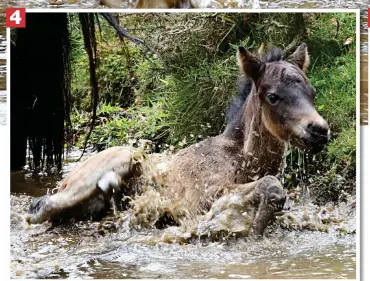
{"x": 88, "y": 28}
{"x": 292, "y": 44}
{"x": 122, "y": 33}
{"x": 223, "y": 38}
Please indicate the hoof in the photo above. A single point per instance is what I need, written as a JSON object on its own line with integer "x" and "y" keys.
{"x": 38, "y": 204}
{"x": 276, "y": 198}
{"x": 39, "y": 210}
{"x": 274, "y": 194}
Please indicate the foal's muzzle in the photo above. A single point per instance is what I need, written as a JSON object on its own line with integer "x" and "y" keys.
{"x": 316, "y": 136}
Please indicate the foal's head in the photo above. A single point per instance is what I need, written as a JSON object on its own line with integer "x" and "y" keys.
{"x": 286, "y": 97}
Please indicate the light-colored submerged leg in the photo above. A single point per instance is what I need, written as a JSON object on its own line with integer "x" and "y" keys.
{"x": 245, "y": 208}
{"x": 86, "y": 191}
{"x": 48, "y": 207}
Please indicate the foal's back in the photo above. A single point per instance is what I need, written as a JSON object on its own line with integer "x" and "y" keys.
{"x": 200, "y": 172}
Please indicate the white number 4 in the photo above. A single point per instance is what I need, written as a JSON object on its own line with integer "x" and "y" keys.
{"x": 16, "y": 17}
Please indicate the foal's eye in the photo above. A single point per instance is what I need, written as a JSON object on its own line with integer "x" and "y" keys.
{"x": 273, "y": 99}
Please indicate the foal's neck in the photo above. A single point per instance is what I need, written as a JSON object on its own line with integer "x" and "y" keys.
{"x": 260, "y": 148}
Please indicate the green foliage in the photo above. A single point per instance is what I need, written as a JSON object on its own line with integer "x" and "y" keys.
{"x": 80, "y": 87}
{"x": 336, "y": 99}
{"x": 197, "y": 100}
{"x": 342, "y": 150}
{"x": 118, "y": 127}
{"x": 336, "y": 88}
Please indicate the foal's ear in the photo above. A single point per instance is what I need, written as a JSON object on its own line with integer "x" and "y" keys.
{"x": 250, "y": 64}
{"x": 300, "y": 57}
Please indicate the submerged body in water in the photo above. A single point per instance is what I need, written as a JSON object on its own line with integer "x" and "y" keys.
{"x": 120, "y": 247}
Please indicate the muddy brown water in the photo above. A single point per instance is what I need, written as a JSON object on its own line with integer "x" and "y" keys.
{"x": 81, "y": 251}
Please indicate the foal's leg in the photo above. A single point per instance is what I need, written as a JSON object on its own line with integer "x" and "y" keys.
{"x": 87, "y": 190}
{"x": 74, "y": 202}
{"x": 270, "y": 197}
{"x": 259, "y": 199}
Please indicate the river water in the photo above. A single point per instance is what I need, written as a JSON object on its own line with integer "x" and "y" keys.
{"x": 103, "y": 250}
{"x": 109, "y": 249}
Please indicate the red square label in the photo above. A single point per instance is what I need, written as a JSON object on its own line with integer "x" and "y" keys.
{"x": 16, "y": 17}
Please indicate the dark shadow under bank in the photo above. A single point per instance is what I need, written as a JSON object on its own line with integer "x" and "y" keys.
{"x": 40, "y": 88}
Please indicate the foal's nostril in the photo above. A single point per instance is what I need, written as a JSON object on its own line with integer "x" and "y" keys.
{"x": 318, "y": 129}
{"x": 315, "y": 135}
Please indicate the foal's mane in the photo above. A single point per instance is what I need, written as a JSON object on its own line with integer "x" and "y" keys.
{"x": 245, "y": 85}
